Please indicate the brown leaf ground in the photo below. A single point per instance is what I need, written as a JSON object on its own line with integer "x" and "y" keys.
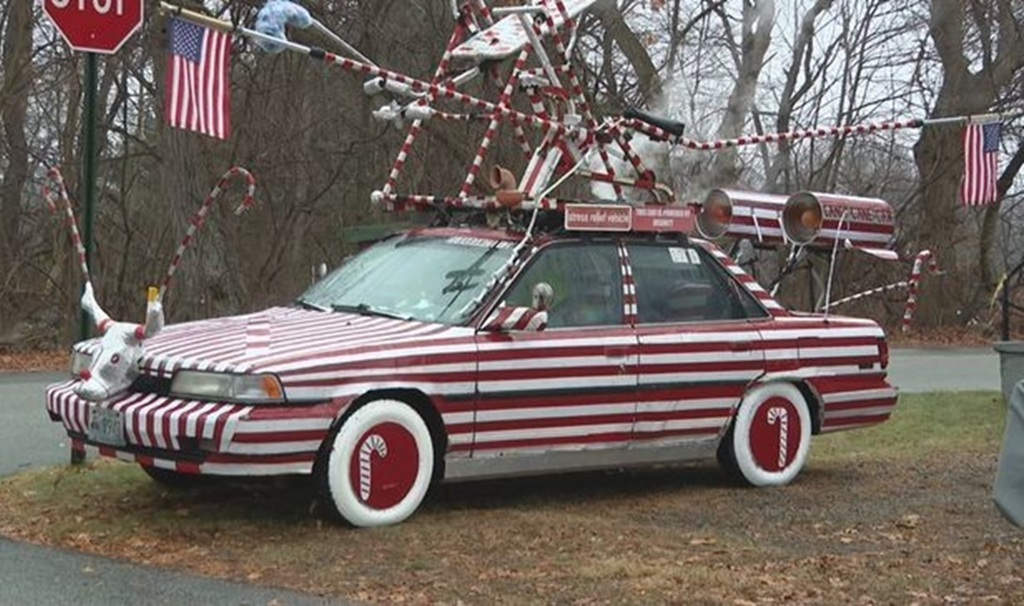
{"x": 896, "y": 514}
{"x": 27, "y": 361}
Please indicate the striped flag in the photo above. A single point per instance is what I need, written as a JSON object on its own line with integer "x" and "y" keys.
{"x": 198, "y": 91}
{"x": 981, "y": 163}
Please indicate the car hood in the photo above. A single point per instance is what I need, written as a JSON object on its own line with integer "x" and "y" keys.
{"x": 279, "y": 339}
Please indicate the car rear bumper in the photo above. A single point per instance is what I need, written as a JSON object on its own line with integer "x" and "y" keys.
{"x": 852, "y": 402}
{"x": 201, "y": 437}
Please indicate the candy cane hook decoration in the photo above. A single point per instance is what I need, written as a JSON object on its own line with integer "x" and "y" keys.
{"x": 57, "y": 178}
{"x": 925, "y": 256}
{"x": 199, "y": 218}
{"x": 373, "y": 444}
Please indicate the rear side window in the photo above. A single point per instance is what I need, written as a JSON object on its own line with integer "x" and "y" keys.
{"x": 679, "y": 283}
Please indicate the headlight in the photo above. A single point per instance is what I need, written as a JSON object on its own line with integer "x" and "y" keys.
{"x": 259, "y": 389}
{"x": 80, "y": 361}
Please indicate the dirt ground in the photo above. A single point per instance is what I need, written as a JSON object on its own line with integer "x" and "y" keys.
{"x": 896, "y": 514}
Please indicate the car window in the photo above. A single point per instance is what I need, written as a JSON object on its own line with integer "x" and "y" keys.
{"x": 680, "y": 283}
{"x": 586, "y": 279}
{"x": 430, "y": 278}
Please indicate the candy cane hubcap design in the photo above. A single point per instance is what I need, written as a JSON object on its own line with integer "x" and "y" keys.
{"x": 771, "y": 434}
{"x": 384, "y": 466}
{"x": 775, "y": 434}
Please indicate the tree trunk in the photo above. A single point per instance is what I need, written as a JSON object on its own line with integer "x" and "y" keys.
{"x": 938, "y": 152}
{"x": 758, "y": 20}
{"x": 15, "y": 87}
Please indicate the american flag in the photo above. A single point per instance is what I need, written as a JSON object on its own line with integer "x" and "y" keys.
{"x": 198, "y": 91}
{"x": 981, "y": 163}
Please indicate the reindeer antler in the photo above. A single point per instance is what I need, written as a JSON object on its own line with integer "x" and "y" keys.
{"x": 55, "y": 175}
{"x": 88, "y": 302}
{"x": 199, "y": 218}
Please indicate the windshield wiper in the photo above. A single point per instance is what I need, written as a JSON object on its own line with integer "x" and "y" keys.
{"x": 365, "y": 310}
{"x": 304, "y": 304}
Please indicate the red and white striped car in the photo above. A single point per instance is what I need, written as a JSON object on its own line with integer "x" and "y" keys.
{"x": 427, "y": 358}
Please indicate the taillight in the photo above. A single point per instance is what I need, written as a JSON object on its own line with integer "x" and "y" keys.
{"x": 883, "y": 352}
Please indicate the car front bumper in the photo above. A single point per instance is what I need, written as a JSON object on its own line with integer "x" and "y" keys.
{"x": 193, "y": 436}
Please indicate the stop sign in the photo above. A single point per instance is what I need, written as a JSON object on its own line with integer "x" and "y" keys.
{"x": 95, "y": 26}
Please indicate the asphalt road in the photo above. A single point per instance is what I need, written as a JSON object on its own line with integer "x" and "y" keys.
{"x": 945, "y": 369}
{"x": 35, "y": 575}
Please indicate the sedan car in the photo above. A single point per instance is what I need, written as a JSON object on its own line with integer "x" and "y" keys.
{"x": 444, "y": 354}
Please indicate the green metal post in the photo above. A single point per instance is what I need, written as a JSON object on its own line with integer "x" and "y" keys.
{"x": 89, "y": 173}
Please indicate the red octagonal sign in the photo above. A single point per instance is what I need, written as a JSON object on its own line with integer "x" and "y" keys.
{"x": 95, "y": 26}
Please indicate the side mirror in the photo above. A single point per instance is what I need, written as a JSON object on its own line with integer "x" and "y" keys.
{"x": 507, "y": 319}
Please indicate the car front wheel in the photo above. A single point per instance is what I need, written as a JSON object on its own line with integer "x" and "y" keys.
{"x": 771, "y": 435}
{"x": 379, "y": 464}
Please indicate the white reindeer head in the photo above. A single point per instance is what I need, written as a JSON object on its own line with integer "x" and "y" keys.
{"x": 116, "y": 364}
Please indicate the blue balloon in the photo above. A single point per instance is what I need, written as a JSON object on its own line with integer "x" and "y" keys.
{"x": 273, "y": 18}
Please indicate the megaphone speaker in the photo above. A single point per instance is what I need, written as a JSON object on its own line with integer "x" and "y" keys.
{"x": 801, "y": 218}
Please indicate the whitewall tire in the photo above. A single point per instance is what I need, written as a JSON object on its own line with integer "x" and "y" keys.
{"x": 379, "y": 464}
{"x": 771, "y": 434}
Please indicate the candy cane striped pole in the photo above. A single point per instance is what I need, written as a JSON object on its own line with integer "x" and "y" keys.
{"x": 925, "y": 256}
{"x": 57, "y": 178}
{"x": 199, "y": 218}
{"x": 492, "y": 127}
{"x": 417, "y": 125}
{"x": 867, "y": 293}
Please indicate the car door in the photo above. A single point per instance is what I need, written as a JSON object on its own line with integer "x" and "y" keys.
{"x": 699, "y": 342}
{"x": 571, "y": 386}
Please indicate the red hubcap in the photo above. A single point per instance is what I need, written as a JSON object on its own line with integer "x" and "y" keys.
{"x": 384, "y": 465}
{"x": 775, "y": 434}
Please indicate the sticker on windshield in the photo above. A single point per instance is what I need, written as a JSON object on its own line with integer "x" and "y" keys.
{"x": 480, "y": 242}
{"x": 694, "y": 257}
{"x": 679, "y": 255}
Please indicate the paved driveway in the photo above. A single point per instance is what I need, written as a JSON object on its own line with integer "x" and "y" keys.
{"x": 39, "y": 575}
{"x": 945, "y": 369}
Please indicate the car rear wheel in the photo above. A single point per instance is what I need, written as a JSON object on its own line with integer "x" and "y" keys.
{"x": 771, "y": 435}
{"x": 379, "y": 464}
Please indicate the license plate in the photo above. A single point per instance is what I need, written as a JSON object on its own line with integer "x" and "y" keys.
{"x": 106, "y": 426}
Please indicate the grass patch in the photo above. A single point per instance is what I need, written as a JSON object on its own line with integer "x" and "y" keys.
{"x": 923, "y": 424}
{"x": 897, "y": 514}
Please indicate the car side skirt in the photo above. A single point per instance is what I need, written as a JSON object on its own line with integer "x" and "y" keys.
{"x": 525, "y": 464}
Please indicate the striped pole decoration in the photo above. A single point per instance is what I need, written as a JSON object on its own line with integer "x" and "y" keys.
{"x": 55, "y": 176}
{"x": 492, "y": 126}
{"x": 925, "y": 256}
{"x": 199, "y": 218}
{"x": 373, "y": 444}
{"x": 414, "y": 130}
{"x": 866, "y": 293}
{"x": 403, "y": 202}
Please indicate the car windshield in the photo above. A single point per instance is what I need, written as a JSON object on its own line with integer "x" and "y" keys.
{"x": 415, "y": 277}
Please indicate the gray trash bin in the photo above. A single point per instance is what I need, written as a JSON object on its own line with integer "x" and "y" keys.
{"x": 1009, "y": 489}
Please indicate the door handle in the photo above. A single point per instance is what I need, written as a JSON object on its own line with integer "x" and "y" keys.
{"x": 740, "y": 345}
